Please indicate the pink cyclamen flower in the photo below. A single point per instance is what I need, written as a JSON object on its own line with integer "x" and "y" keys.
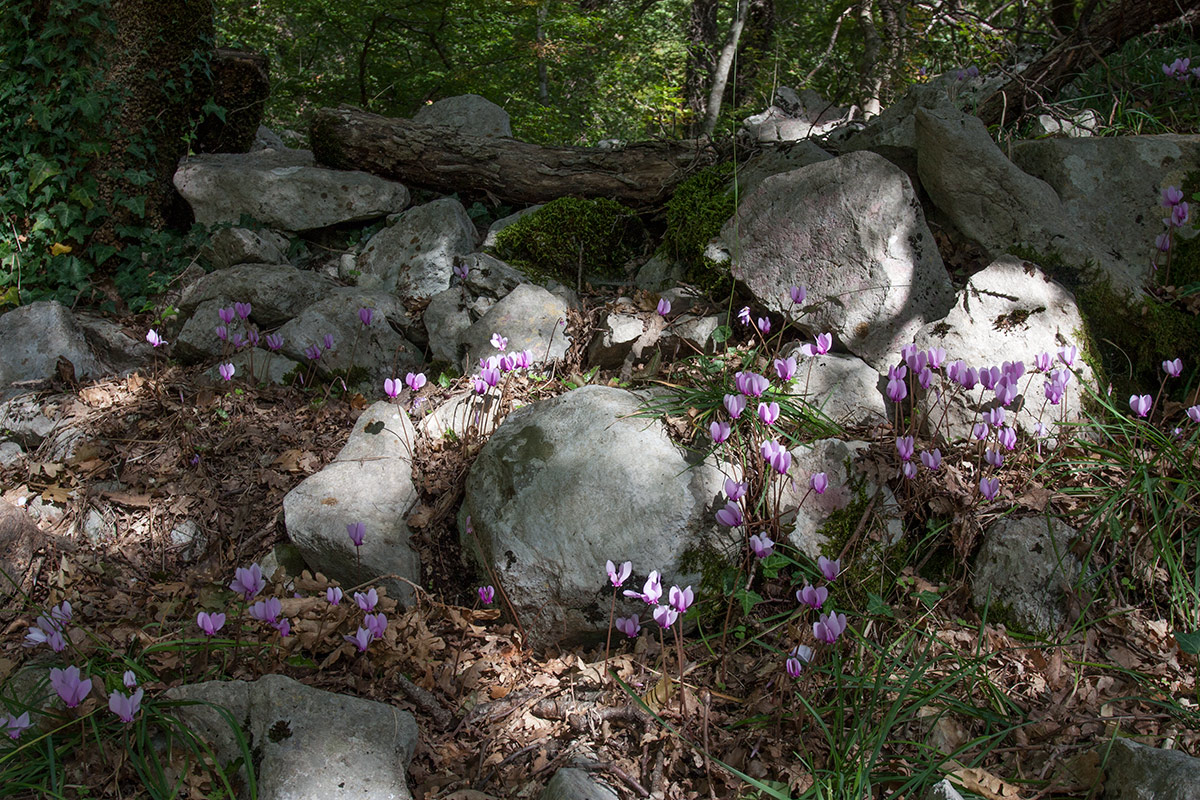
{"x": 979, "y": 431}
{"x": 630, "y": 626}
{"x": 735, "y": 404}
{"x": 719, "y": 431}
{"x": 125, "y": 707}
{"x": 665, "y": 616}
{"x": 1140, "y": 405}
{"x": 812, "y": 596}
{"x": 798, "y": 295}
{"x": 391, "y": 387}
{"x": 994, "y": 416}
{"x": 761, "y": 545}
{"x": 651, "y": 591}
{"x": 1194, "y": 413}
{"x": 70, "y": 685}
{"x": 15, "y": 726}
{"x": 829, "y": 569}
{"x": 461, "y": 271}
{"x": 499, "y": 342}
{"x": 129, "y": 679}
{"x": 829, "y": 627}
{"x": 989, "y": 487}
{"x": 932, "y": 459}
{"x": 242, "y": 309}
{"x": 376, "y": 624}
{"x": 936, "y": 356}
{"x": 618, "y": 576}
{"x": 334, "y": 595}
{"x": 905, "y": 447}
{"x": 785, "y": 368}
{"x": 897, "y": 389}
{"x": 490, "y": 376}
{"x": 46, "y": 632}
{"x": 794, "y": 667}
{"x": 993, "y": 457}
{"x": 154, "y": 339}
{"x": 361, "y": 639}
{"x": 479, "y": 386}
{"x": 823, "y": 342}
{"x": 487, "y": 594}
{"x": 1179, "y": 217}
{"x": 764, "y": 325}
{"x": 226, "y": 314}
{"x": 366, "y": 601}
{"x": 237, "y": 341}
{"x": 226, "y": 371}
{"x": 1007, "y": 436}
{"x": 681, "y": 599}
{"x": 776, "y": 455}
{"x": 210, "y": 623}
{"x": 744, "y": 315}
{"x": 267, "y": 611}
{"x": 248, "y": 581}
{"x": 252, "y": 337}
{"x": 1041, "y": 362}
{"x": 731, "y": 515}
{"x": 768, "y": 413}
{"x": 327, "y": 342}
{"x": 750, "y": 384}
{"x": 284, "y": 626}
{"x": 736, "y": 491}
{"x": 909, "y": 469}
{"x": 1173, "y": 368}
{"x": 365, "y": 316}
{"x": 664, "y": 307}
{"x": 1171, "y": 195}
{"x": 274, "y": 341}
{"x": 818, "y": 482}
{"x": 357, "y": 531}
{"x": 415, "y": 380}
{"x": 1067, "y": 355}
{"x": 1162, "y": 242}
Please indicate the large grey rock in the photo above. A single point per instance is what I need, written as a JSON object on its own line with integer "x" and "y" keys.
{"x": 459, "y": 414}
{"x": 446, "y": 319}
{"x": 307, "y": 743}
{"x": 614, "y": 338}
{"x": 1112, "y": 184}
{"x": 1024, "y": 571}
{"x": 1010, "y": 311}
{"x": 1084, "y": 124}
{"x": 530, "y": 317}
{"x": 986, "y": 196}
{"x": 851, "y": 231}
{"x": 845, "y": 388}
{"x": 414, "y": 257}
{"x": 276, "y": 292}
{"x": 228, "y": 247}
{"x": 258, "y": 366}
{"x": 567, "y": 483}
{"x": 35, "y": 337}
{"x": 893, "y": 134}
{"x": 775, "y": 160}
{"x": 221, "y": 187}
{"x": 1139, "y": 772}
{"x": 377, "y": 352}
{"x": 808, "y": 512}
{"x": 120, "y": 349}
{"x": 570, "y": 783}
{"x": 793, "y": 117}
{"x": 488, "y": 276}
{"x": 370, "y": 481}
{"x": 467, "y": 114}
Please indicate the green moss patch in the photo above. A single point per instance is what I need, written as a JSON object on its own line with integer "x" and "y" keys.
{"x": 695, "y": 214}
{"x": 569, "y": 235}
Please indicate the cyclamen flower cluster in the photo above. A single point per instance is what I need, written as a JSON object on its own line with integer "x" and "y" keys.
{"x": 665, "y": 614}
{"x": 50, "y": 629}
{"x": 828, "y": 627}
{"x": 492, "y": 367}
{"x": 1178, "y": 215}
{"x": 1178, "y": 69}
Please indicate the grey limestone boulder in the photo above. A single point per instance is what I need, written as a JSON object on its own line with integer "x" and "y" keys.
{"x": 851, "y": 231}
{"x": 530, "y": 317}
{"x": 614, "y": 339}
{"x": 307, "y": 743}
{"x": 446, "y": 319}
{"x": 489, "y": 241}
{"x": 570, "y": 783}
{"x": 414, "y": 257}
{"x": 1139, "y": 772}
{"x": 467, "y": 114}
{"x": 370, "y": 481}
{"x": 221, "y": 187}
{"x": 776, "y": 160}
{"x": 1010, "y": 311}
{"x": 845, "y": 388}
{"x": 228, "y": 247}
{"x": 1111, "y": 185}
{"x": 1024, "y": 570}
{"x": 35, "y": 336}
{"x": 488, "y": 276}
{"x": 276, "y": 292}
{"x": 568, "y": 483}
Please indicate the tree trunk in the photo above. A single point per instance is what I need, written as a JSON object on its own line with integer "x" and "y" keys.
{"x": 754, "y": 51}
{"x": 872, "y": 84}
{"x": 1087, "y": 44}
{"x": 702, "y": 40}
{"x": 640, "y": 175}
{"x": 724, "y": 64}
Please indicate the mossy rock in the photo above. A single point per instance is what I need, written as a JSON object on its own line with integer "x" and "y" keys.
{"x": 600, "y": 235}
{"x": 697, "y": 210}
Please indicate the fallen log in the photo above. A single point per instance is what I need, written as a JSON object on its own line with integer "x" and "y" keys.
{"x": 1086, "y": 46}
{"x": 432, "y": 157}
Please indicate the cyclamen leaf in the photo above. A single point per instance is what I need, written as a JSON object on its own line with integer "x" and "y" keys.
{"x": 1189, "y": 642}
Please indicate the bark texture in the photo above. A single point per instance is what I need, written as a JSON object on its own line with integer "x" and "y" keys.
{"x": 431, "y": 157}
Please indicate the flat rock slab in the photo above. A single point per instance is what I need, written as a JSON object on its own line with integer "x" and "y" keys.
{"x": 35, "y": 337}
{"x": 314, "y": 745}
{"x": 221, "y": 187}
{"x": 1138, "y": 772}
{"x": 370, "y": 481}
{"x": 1024, "y": 569}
